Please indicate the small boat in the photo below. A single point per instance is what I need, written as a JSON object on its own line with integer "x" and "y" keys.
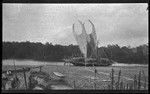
{"x": 79, "y": 61}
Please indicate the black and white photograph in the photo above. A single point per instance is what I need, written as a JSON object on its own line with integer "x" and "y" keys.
{"x": 77, "y": 46}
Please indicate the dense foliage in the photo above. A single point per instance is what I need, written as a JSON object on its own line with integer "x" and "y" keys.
{"x": 50, "y": 52}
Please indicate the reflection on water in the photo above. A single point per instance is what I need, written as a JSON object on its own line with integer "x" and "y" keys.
{"x": 32, "y": 62}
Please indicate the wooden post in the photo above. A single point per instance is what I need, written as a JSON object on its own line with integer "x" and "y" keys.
{"x": 25, "y": 78}
{"x": 15, "y": 72}
{"x": 118, "y": 83}
{"x": 144, "y": 79}
{"x": 94, "y": 85}
{"x": 127, "y": 87}
{"x": 112, "y": 79}
{"x": 135, "y": 82}
{"x": 74, "y": 84}
{"x": 139, "y": 81}
{"x": 40, "y": 68}
{"x": 95, "y": 72}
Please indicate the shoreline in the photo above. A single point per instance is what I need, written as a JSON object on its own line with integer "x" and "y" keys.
{"x": 34, "y": 62}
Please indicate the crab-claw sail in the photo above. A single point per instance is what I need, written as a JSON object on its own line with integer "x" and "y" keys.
{"x": 81, "y": 39}
{"x": 89, "y": 48}
{"x": 87, "y": 42}
{"x": 92, "y": 42}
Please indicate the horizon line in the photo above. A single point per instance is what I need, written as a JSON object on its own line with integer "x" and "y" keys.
{"x": 75, "y": 44}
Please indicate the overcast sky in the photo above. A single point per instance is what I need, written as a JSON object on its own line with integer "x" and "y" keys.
{"x": 122, "y": 24}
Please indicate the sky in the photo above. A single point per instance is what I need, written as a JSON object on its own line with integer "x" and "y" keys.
{"x": 123, "y": 24}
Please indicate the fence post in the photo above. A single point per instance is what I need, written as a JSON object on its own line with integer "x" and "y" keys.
{"x": 25, "y": 78}
{"x": 95, "y": 71}
{"x": 74, "y": 84}
{"x": 118, "y": 83}
{"x": 144, "y": 79}
{"x": 40, "y": 68}
{"x": 135, "y": 82}
{"x": 127, "y": 87}
{"x": 112, "y": 79}
{"x": 94, "y": 85}
{"x": 139, "y": 80}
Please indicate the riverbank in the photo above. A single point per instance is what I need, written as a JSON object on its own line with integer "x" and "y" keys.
{"x": 35, "y": 63}
{"x": 82, "y": 78}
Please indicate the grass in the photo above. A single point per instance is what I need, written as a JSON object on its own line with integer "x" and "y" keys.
{"x": 128, "y": 78}
{"x": 133, "y": 85}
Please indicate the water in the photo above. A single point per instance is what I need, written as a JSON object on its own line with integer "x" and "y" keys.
{"x": 131, "y": 65}
{"x": 37, "y": 63}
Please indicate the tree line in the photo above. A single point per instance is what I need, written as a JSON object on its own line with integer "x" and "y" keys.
{"x": 50, "y": 52}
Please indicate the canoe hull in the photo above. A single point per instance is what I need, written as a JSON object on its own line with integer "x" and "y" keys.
{"x": 89, "y": 62}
